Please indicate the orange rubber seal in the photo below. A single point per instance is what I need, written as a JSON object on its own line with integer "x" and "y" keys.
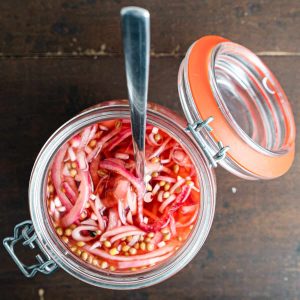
{"x": 259, "y": 163}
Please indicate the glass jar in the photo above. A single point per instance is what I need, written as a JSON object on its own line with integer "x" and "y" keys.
{"x": 229, "y": 97}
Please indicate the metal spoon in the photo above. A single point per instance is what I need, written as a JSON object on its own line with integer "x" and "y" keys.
{"x": 135, "y": 23}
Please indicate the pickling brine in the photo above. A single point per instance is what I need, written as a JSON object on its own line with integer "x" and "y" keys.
{"x": 105, "y": 214}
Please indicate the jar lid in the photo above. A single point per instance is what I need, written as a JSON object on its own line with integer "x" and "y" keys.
{"x": 231, "y": 98}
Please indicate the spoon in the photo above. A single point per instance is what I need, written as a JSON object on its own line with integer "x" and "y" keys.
{"x": 135, "y": 23}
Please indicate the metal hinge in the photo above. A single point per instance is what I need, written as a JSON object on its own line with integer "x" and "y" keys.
{"x": 195, "y": 128}
{"x": 25, "y": 231}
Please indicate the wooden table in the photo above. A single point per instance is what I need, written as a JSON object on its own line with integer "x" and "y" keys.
{"x": 58, "y": 57}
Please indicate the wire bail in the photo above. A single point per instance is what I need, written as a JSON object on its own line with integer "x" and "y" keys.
{"x": 195, "y": 129}
{"x": 25, "y": 231}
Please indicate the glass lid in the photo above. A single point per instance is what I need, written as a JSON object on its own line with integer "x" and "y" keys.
{"x": 231, "y": 98}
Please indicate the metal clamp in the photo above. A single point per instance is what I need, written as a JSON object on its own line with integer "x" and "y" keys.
{"x": 25, "y": 231}
{"x": 195, "y": 129}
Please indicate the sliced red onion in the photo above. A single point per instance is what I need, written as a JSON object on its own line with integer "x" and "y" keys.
{"x": 126, "y": 234}
{"x": 132, "y": 201}
{"x": 69, "y": 192}
{"x": 166, "y": 170}
{"x": 151, "y": 254}
{"x": 195, "y": 189}
{"x": 94, "y": 217}
{"x": 96, "y": 245}
{"x": 117, "y": 230}
{"x": 84, "y": 191}
{"x": 93, "y": 197}
{"x": 92, "y": 132}
{"x": 157, "y": 238}
{"x": 161, "y": 244}
{"x": 88, "y": 149}
{"x": 96, "y": 207}
{"x": 189, "y": 222}
{"x": 100, "y": 144}
{"x": 72, "y": 154}
{"x": 112, "y": 219}
{"x": 180, "y": 157}
{"x": 100, "y": 186}
{"x": 56, "y": 174}
{"x": 178, "y": 184}
{"x": 122, "y": 193}
{"x": 152, "y": 140}
{"x": 61, "y": 209}
{"x": 71, "y": 182}
{"x": 77, "y": 233}
{"x": 52, "y": 206}
{"x": 81, "y": 160}
{"x": 104, "y": 128}
{"x": 188, "y": 209}
{"x": 160, "y": 196}
{"x": 134, "y": 240}
{"x": 164, "y": 161}
{"x": 148, "y": 197}
{"x": 85, "y": 137}
{"x": 112, "y": 166}
{"x": 161, "y": 149}
{"x": 172, "y": 226}
{"x": 143, "y": 263}
{"x": 155, "y": 189}
{"x": 164, "y": 178}
{"x": 166, "y": 203}
{"x": 56, "y": 216}
{"x": 154, "y": 130}
{"x": 153, "y": 167}
{"x": 66, "y": 171}
{"x": 118, "y": 139}
{"x": 57, "y": 202}
{"x": 75, "y": 141}
{"x": 89, "y": 222}
{"x": 121, "y": 212}
{"x": 124, "y": 156}
{"x": 129, "y": 218}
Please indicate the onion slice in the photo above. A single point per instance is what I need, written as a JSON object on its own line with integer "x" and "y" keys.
{"x": 125, "y": 234}
{"x": 142, "y": 263}
{"x": 118, "y": 230}
{"x": 84, "y": 193}
{"x": 77, "y": 233}
{"x": 56, "y": 174}
{"x": 152, "y": 254}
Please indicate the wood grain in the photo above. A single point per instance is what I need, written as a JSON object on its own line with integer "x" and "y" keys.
{"x": 81, "y": 27}
{"x": 253, "y": 250}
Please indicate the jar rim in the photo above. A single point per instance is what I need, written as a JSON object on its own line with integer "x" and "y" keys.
{"x": 157, "y": 116}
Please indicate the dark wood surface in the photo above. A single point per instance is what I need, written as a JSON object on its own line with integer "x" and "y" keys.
{"x": 59, "y": 57}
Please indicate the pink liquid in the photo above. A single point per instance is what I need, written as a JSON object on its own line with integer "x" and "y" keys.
{"x": 104, "y": 214}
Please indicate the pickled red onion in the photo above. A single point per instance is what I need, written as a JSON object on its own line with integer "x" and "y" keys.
{"x": 76, "y": 233}
{"x": 56, "y": 173}
{"x": 141, "y": 263}
{"x": 119, "y": 212}
{"x": 118, "y": 230}
{"x": 84, "y": 193}
{"x": 152, "y": 254}
{"x": 125, "y": 234}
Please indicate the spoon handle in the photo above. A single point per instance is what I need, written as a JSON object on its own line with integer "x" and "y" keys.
{"x": 135, "y": 23}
